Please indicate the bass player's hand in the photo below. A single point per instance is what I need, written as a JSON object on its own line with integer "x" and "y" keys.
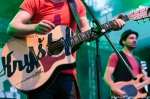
{"x": 117, "y": 91}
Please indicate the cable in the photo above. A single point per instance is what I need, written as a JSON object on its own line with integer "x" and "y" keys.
{"x": 1, "y": 72}
{"x": 1, "y": 43}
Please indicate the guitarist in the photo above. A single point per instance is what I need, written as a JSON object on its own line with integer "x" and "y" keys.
{"x": 43, "y": 16}
{"x": 115, "y": 67}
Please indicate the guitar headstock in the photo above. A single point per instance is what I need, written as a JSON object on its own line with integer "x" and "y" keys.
{"x": 140, "y": 13}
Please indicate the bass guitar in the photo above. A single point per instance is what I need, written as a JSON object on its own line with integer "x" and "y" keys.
{"x": 131, "y": 88}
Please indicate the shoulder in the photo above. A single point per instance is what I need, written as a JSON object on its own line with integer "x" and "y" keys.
{"x": 113, "y": 55}
{"x": 79, "y": 3}
{"x": 30, "y": 6}
{"x": 113, "y": 60}
{"x": 81, "y": 8}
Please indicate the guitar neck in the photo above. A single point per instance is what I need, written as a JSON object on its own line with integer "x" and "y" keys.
{"x": 109, "y": 25}
{"x": 142, "y": 84}
{"x": 134, "y": 15}
{"x": 87, "y": 34}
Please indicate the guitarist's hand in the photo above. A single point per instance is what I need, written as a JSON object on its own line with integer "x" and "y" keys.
{"x": 44, "y": 27}
{"x": 119, "y": 92}
{"x": 118, "y": 22}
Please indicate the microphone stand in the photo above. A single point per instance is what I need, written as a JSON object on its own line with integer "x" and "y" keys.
{"x": 98, "y": 62}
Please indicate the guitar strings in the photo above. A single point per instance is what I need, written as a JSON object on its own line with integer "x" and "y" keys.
{"x": 55, "y": 45}
{"x": 130, "y": 90}
{"x": 59, "y": 44}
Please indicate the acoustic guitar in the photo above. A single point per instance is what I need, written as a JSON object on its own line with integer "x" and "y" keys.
{"x": 33, "y": 62}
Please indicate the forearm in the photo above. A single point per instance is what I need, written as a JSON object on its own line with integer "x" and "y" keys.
{"x": 109, "y": 81}
{"x": 145, "y": 77}
{"x": 20, "y": 30}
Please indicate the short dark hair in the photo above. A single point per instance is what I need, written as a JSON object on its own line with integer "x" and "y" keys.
{"x": 125, "y": 34}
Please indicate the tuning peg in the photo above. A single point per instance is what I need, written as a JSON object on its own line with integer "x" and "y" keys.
{"x": 137, "y": 22}
{"x": 143, "y": 19}
{"x": 139, "y": 11}
{"x": 133, "y": 12}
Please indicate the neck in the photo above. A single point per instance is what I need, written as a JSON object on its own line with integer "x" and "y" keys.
{"x": 127, "y": 51}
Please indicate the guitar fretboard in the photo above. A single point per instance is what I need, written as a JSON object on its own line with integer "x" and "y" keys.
{"x": 110, "y": 24}
{"x": 143, "y": 84}
{"x": 85, "y": 35}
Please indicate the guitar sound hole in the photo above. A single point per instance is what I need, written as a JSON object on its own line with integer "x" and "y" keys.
{"x": 55, "y": 48}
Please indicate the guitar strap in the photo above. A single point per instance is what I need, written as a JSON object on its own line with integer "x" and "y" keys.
{"x": 74, "y": 11}
{"x": 136, "y": 58}
{"x": 140, "y": 66}
{"x": 138, "y": 61}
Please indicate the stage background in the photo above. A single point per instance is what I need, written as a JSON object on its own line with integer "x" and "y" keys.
{"x": 104, "y": 11}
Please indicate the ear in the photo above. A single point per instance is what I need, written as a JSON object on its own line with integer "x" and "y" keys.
{"x": 123, "y": 42}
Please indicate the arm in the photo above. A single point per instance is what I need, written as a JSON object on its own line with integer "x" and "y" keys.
{"x": 19, "y": 28}
{"x": 109, "y": 81}
{"x": 112, "y": 63}
{"x": 108, "y": 76}
{"x": 145, "y": 75}
{"x": 84, "y": 24}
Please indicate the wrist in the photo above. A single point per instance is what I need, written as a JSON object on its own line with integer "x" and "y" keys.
{"x": 35, "y": 28}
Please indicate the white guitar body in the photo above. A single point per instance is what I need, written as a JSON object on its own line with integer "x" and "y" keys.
{"x": 27, "y": 77}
